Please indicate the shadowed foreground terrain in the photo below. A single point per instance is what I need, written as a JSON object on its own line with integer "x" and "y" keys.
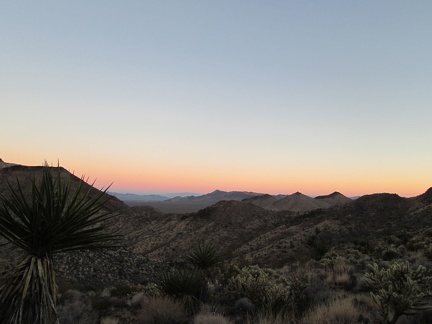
{"x": 323, "y": 252}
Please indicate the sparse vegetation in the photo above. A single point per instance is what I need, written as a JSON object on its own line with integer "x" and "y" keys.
{"x": 277, "y": 267}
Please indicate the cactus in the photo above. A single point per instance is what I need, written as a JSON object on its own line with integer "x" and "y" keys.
{"x": 264, "y": 288}
{"x": 399, "y": 290}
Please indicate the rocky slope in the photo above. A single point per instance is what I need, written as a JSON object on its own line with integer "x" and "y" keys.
{"x": 243, "y": 232}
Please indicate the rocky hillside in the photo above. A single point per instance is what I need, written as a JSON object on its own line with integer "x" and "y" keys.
{"x": 242, "y": 230}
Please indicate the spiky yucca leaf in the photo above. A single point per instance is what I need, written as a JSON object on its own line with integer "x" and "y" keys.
{"x": 28, "y": 293}
{"x": 204, "y": 255}
{"x": 52, "y": 218}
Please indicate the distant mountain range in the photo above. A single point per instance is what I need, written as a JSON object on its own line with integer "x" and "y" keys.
{"x": 130, "y": 197}
{"x": 212, "y": 197}
{"x": 297, "y": 202}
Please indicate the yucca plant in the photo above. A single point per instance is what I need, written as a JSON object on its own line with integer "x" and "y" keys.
{"x": 204, "y": 255}
{"x": 52, "y": 218}
{"x": 186, "y": 285}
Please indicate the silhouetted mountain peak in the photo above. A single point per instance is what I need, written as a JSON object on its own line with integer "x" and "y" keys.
{"x": 335, "y": 198}
{"x": 425, "y": 198}
{"x": 332, "y": 195}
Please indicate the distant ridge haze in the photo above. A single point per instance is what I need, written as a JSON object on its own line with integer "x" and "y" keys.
{"x": 297, "y": 202}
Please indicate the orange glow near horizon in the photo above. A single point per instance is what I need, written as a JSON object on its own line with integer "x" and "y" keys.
{"x": 160, "y": 178}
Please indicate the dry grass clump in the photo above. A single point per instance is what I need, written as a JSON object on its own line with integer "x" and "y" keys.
{"x": 161, "y": 310}
{"x": 339, "y": 279}
{"x": 138, "y": 300}
{"x": 337, "y": 311}
{"x": 269, "y": 319}
{"x": 339, "y": 270}
{"x": 211, "y": 319}
{"x": 109, "y": 320}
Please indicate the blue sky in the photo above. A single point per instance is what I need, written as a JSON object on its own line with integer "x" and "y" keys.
{"x": 275, "y": 96}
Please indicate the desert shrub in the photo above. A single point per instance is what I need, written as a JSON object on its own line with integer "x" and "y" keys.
{"x": 299, "y": 298}
{"x": 390, "y": 253}
{"x": 122, "y": 290}
{"x": 415, "y": 243}
{"x": 399, "y": 290}
{"x": 362, "y": 245}
{"x": 106, "y": 292}
{"x": 404, "y": 236}
{"x": 75, "y": 307}
{"x": 148, "y": 291}
{"x": 319, "y": 246}
{"x": 263, "y": 287}
{"x": 317, "y": 290}
{"x": 161, "y": 310}
{"x": 100, "y": 303}
{"x": 105, "y": 304}
{"x": 187, "y": 285}
{"x": 428, "y": 251}
{"x": 204, "y": 255}
{"x": 243, "y": 306}
{"x": 70, "y": 296}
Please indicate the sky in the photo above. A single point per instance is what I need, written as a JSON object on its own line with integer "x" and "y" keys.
{"x": 192, "y": 96}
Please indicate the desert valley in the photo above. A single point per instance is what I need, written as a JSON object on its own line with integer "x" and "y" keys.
{"x": 281, "y": 259}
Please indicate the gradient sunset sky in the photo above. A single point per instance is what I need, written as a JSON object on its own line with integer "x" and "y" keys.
{"x": 193, "y": 96}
